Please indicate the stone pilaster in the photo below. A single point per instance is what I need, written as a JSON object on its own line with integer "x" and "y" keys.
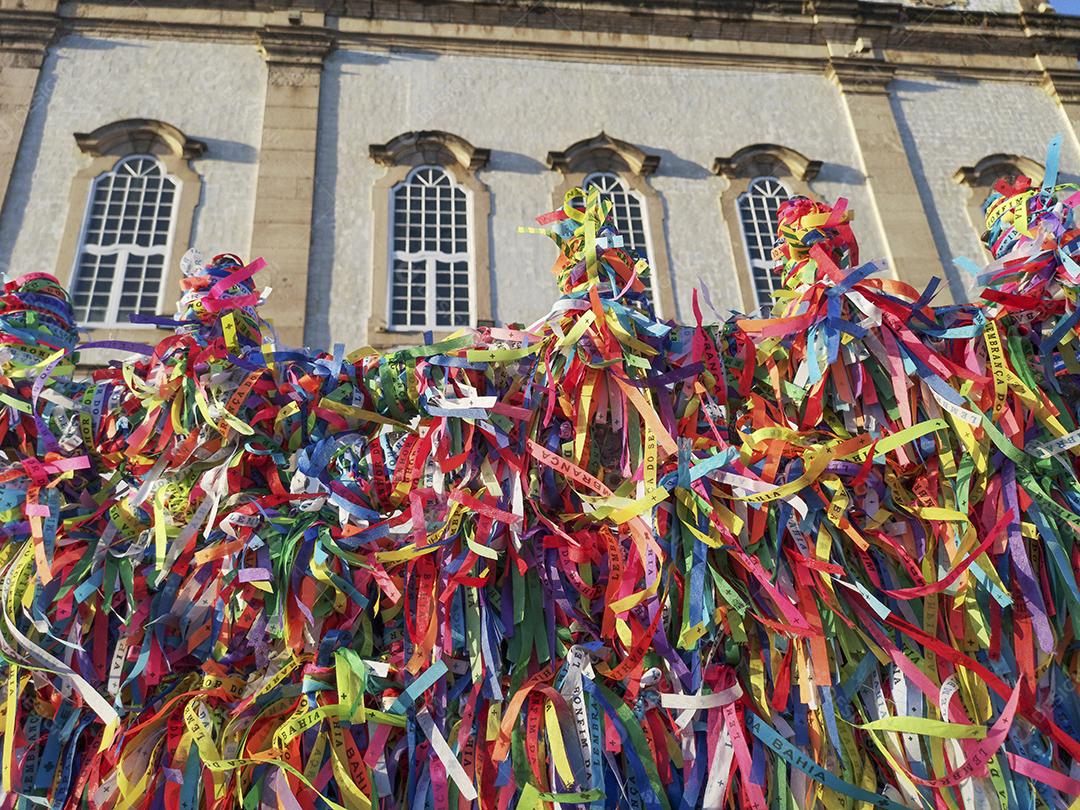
{"x": 283, "y": 203}
{"x": 24, "y": 38}
{"x": 909, "y": 241}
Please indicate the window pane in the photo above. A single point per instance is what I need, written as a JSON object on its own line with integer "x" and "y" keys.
{"x": 430, "y": 241}
{"x": 758, "y": 209}
{"x": 409, "y": 298}
{"x": 626, "y": 214}
{"x": 129, "y": 207}
{"x": 92, "y": 287}
{"x": 140, "y": 291}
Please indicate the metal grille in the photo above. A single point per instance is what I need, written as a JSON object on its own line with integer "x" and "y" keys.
{"x": 431, "y": 283}
{"x": 628, "y": 216}
{"x": 125, "y": 242}
{"x": 758, "y": 207}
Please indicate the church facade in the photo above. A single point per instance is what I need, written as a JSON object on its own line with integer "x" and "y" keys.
{"x": 382, "y": 154}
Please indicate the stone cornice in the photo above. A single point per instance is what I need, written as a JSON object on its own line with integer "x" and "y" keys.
{"x": 1064, "y": 84}
{"x": 27, "y": 31}
{"x": 785, "y": 35}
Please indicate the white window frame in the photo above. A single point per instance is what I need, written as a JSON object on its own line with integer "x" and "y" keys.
{"x": 765, "y": 265}
{"x": 430, "y": 259}
{"x": 644, "y": 209}
{"x": 124, "y": 252}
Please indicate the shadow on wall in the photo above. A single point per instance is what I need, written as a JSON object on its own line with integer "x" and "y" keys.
{"x": 671, "y": 165}
{"x": 78, "y": 43}
{"x": 493, "y": 207}
{"x": 324, "y": 214}
{"x": 368, "y": 58}
{"x": 28, "y": 144}
{"x": 952, "y": 278}
{"x": 841, "y": 175}
{"x": 233, "y": 196}
{"x": 665, "y": 219}
{"x": 230, "y": 151}
{"x": 514, "y": 162}
{"x": 323, "y": 259}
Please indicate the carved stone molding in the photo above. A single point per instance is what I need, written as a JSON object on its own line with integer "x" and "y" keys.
{"x": 27, "y": 35}
{"x": 767, "y": 159}
{"x": 294, "y": 47}
{"x": 139, "y": 135}
{"x": 860, "y": 75}
{"x": 979, "y": 180}
{"x": 1064, "y": 84}
{"x": 430, "y": 146}
{"x": 603, "y": 153}
{"x": 753, "y": 34}
{"x": 992, "y": 167}
{"x": 831, "y": 8}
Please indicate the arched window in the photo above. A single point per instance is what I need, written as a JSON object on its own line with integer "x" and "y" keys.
{"x": 430, "y": 280}
{"x": 758, "y": 207}
{"x": 627, "y": 212}
{"x": 130, "y": 214}
{"x": 124, "y": 246}
{"x": 980, "y": 178}
{"x": 759, "y": 178}
{"x": 430, "y": 228}
{"x": 621, "y": 171}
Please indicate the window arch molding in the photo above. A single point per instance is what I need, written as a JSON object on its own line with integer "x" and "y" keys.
{"x": 115, "y": 146}
{"x": 460, "y": 161}
{"x": 979, "y": 181}
{"x": 749, "y": 165}
{"x": 605, "y": 155}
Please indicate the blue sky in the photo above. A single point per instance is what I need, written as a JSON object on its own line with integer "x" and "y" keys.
{"x": 1066, "y": 6}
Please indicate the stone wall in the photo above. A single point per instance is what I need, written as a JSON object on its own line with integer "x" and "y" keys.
{"x": 927, "y": 89}
{"x": 210, "y": 91}
{"x": 521, "y": 109}
{"x": 949, "y": 124}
